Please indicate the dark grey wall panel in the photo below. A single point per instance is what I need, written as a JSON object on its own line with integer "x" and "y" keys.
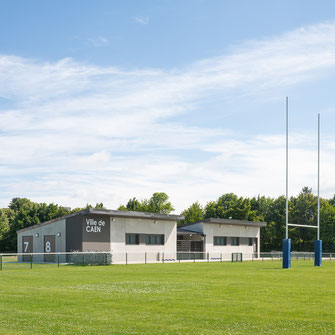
{"x": 96, "y": 228}
{"x": 74, "y": 233}
{"x": 89, "y": 232}
{"x": 96, "y": 233}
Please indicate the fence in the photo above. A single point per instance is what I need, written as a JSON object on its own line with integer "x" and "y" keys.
{"x": 26, "y": 260}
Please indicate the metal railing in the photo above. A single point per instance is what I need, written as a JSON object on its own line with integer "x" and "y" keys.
{"x": 30, "y": 260}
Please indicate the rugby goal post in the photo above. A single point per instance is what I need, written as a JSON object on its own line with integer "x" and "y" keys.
{"x": 287, "y": 241}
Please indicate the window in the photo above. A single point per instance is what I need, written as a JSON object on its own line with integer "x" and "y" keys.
{"x": 132, "y": 239}
{"x": 154, "y": 239}
{"x": 235, "y": 241}
{"x": 250, "y": 241}
{"x": 220, "y": 240}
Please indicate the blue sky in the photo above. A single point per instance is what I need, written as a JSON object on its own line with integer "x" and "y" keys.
{"x": 101, "y": 101}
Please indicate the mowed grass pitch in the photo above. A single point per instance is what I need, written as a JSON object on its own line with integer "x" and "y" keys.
{"x": 188, "y": 298}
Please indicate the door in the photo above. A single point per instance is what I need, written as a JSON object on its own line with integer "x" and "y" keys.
{"x": 49, "y": 248}
{"x": 27, "y": 248}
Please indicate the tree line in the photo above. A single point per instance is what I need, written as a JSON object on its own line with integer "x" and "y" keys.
{"x": 302, "y": 210}
{"x": 22, "y": 213}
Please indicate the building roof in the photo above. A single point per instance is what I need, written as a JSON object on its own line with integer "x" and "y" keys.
{"x": 226, "y": 222}
{"x": 114, "y": 213}
{"x": 185, "y": 231}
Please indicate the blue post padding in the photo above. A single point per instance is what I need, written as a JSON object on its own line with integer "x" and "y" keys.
{"x": 286, "y": 253}
{"x": 317, "y": 252}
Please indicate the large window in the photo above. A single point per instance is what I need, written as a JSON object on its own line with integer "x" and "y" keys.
{"x": 154, "y": 239}
{"x": 235, "y": 241}
{"x": 132, "y": 238}
{"x": 220, "y": 240}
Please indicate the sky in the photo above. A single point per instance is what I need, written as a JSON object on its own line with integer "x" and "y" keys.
{"x": 102, "y": 101}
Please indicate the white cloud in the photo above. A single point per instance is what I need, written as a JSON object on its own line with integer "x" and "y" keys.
{"x": 78, "y": 133}
{"x": 98, "y": 41}
{"x": 142, "y": 20}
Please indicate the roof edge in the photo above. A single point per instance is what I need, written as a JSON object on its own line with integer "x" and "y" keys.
{"x": 227, "y": 221}
{"x": 115, "y": 213}
{"x": 64, "y": 217}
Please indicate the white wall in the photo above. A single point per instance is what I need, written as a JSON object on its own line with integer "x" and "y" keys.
{"x": 121, "y": 226}
{"x": 211, "y": 230}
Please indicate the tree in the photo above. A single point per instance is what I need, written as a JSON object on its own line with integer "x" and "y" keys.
{"x": 274, "y": 232}
{"x": 158, "y": 203}
{"x": 194, "y": 213}
{"x": 20, "y": 203}
{"x": 51, "y": 211}
{"x": 332, "y": 201}
{"x": 211, "y": 210}
{"x": 26, "y": 215}
{"x": 99, "y": 206}
{"x": 227, "y": 201}
{"x": 23, "y": 213}
{"x": 303, "y": 211}
{"x": 240, "y": 210}
{"x": 260, "y": 208}
{"x": 4, "y": 223}
{"x": 327, "y": 225}
{"x": 229, "y": 206}
{"x": 226, "y": 205}
{"x": 223, "y": 207}
{"x": 134, "y": 205}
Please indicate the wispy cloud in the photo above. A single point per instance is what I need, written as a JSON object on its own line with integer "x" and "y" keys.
{"x": 98, "y": 41}
{"x": 142, "y": 20}
{"x": 77, "y": 133}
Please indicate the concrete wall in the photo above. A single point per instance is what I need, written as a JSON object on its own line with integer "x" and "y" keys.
{"x": 38, "y": 242}
{"x": 243, "y": 232}
{"x": 135, "y": 253}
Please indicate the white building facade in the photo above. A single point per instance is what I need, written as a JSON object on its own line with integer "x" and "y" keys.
{"x": 137, "y": 237}
{"x": 221, "y": 237}
{"x": 120, "y": 233}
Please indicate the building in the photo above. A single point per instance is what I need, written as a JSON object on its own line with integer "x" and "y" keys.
{"x": 137, "y": 237}
{"x": 98, "y": 230}
{"x": 220, "y": 237}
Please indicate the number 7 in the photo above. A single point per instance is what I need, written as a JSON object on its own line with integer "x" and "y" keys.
{"x": 26, "y": 244}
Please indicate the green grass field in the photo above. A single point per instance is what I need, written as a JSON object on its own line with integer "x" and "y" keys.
{"x": 187, "y": 298}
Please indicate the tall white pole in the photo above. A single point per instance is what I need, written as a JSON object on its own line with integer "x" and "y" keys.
{"x": 318, "y": 176}
{"x": 286, "y": 167}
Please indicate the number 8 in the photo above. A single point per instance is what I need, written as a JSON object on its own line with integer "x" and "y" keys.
{"x": 47, "y": 246}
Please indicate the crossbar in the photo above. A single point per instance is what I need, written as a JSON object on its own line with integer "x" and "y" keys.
{"x": 302, "y": 225}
